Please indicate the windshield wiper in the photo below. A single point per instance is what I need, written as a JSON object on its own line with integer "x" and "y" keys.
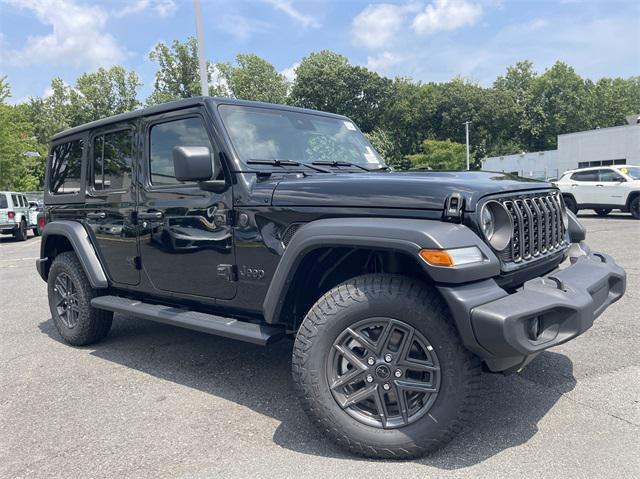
{"x": 341, "y": 163}
{"x": 277, "y": 162}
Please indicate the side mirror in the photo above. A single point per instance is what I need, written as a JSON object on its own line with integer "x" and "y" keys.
{"x": 193, "y": 163}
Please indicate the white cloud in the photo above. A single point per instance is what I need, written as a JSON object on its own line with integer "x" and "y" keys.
{"x": 445, "y": 15}
{"x": 77, "y": 38}
{"x": 381, "y": 63}
{"x": 376, "y": 25}
{"x": 241, "y": 27}
{"x": 162, "y": 8}
{"x": 289, "y": 73}
{"x": 287, "y": 7}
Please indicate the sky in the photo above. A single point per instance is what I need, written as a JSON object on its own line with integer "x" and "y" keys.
{"x": 427, "y": 40}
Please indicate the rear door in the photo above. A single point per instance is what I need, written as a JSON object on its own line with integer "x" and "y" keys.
{"x": 583, "y": 186}
{"x": 111, "y": 200}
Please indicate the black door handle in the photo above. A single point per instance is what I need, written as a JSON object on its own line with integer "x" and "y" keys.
{"x": 96, "y": 216}
{"x": 150, "y": 215}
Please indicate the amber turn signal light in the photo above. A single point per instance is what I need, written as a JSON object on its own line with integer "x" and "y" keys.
{"x": 436, "y": 257}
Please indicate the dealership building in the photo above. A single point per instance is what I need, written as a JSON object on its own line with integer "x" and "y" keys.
{"x": 618, "y": 145}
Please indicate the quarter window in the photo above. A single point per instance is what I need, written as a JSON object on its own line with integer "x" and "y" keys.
{"x": 585, "y": 176}
{"x": 164, "y": 137}
{"x": 112, "y": 160}
{"x": 66, "y": 167}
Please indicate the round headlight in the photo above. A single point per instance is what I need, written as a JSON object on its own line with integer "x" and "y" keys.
{"x": 496, "y": 225}
{"x": 487, "y": 223}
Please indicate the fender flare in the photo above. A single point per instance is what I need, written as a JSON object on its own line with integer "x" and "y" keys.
{"x": 408, "y": 236}
{"x": 82, "y": 247}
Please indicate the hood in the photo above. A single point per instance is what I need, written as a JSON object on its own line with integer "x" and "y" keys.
{"x": 412, "y": 190}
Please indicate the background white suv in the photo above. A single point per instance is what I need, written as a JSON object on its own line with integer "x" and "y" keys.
{"x": 602, "y": 189}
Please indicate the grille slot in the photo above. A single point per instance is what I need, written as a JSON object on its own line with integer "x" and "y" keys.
{"x": 537, "y": 226}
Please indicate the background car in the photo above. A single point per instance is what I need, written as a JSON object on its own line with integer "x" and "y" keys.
{"x": 14, "y": 214}
{"x": 602, "y": 189}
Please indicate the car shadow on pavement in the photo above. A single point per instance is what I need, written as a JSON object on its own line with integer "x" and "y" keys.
{"x": 260, "y": 379}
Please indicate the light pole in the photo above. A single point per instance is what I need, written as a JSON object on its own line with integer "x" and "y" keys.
{"x": 466, "y": 126}
{"x": 204, "y": 84}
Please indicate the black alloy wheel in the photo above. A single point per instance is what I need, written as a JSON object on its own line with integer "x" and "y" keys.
{"x": 383, "y": 373}
{"x": 66, "y": 300}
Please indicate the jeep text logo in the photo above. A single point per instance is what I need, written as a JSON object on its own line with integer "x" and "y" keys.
{"x": 251, "y": 273}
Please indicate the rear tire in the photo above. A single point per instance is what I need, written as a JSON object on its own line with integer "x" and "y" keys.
{"x": 70, "y": 295}
{"x": 571, "y": 204}
{"x": 603, "y": 211}
{"x": 20, "y": 233}
{"x": 634, "y": 207}
{"x": 426, "y": 422}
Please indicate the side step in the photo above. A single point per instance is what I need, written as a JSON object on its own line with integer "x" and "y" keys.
{"x": 207, "y": 323}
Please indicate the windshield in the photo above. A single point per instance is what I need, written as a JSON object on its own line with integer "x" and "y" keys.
{"x": 272, "y": 134}
{"x": 632, "y": 171}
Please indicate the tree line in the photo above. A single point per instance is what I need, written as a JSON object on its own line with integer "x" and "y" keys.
{"x": 412, "y": 124}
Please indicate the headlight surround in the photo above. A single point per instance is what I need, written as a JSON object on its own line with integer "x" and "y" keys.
{"x": 563, "y": 210}
{"x": 496, "y": 224}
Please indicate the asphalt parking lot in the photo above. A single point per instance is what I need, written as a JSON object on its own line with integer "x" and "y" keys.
{"x": 157, "y": 401}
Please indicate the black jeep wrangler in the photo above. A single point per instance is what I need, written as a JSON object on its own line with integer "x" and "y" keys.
{"x": 259, "y": 222}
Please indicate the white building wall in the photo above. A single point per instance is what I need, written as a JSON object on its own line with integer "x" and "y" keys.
{"x": 605, "y": 144}
{"x": 540, "y": 165}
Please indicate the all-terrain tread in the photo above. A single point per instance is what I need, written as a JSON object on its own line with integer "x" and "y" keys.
{"x": 357, "y": 289}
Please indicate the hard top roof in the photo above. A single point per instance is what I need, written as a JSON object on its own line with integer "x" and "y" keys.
{"x": 180, "y": 104}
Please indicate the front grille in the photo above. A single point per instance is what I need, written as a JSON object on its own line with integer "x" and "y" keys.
{"x": 538, "y": 228}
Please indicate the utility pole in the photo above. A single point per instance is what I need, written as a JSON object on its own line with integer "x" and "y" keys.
{"x": 466, "y": 125}
{"x": 204, "y": 84}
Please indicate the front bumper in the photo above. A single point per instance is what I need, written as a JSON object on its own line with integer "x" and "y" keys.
{"x": 508, "y": 330}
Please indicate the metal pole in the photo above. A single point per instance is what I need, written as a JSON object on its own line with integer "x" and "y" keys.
{"x": 204, "y": 84}
{"x": 466, "y": 124}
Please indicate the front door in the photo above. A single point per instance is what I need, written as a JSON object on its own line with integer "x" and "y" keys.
{"x": 111, "y": 200}
{"x": 186, "y": 240}
{"x": 610, "y": 187}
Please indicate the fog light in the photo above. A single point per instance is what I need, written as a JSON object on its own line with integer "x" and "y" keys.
{"x": 535, "y": 328}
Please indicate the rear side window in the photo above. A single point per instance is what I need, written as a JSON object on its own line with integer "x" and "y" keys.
{"x": 164, "y": 137}
{"x": 112, "y": 159}
{"x": 585, "y": 176}
{"x": 66, "y": 168}
{"x": 15, "y": 201}
{"x": 3, "y": 201}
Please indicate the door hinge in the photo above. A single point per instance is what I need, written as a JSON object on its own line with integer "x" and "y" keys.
{"x": 228, "y": 272}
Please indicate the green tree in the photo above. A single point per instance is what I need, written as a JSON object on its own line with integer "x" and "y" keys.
{"x": 612, "y": 99}
{"x": 253, "y": 78}
{"x": 21, "y": 157}
{"x": 178, "y": 74}
{"x": 103, "y": 93}
{"x": 383, "y": 142}
{"x": 326, "y": 81}
{"x": 439, "y": 155}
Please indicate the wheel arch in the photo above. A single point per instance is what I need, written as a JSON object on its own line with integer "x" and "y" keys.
{"x": 327, "y": 252}
{"x": 61, "y": 236}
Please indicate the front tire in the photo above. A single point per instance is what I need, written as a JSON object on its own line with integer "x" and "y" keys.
{"x": 603, "y": 211}
{"x": 70, "y": 295}
{"x": 381, "y": 369}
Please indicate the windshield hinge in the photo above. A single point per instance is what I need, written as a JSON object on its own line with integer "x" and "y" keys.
{"x": 453, "y": 207}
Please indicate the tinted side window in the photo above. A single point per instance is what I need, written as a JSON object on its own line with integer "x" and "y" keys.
{"x": 25, "y": 203}
{"x": 609, "y": 175}
{"x": 66, "y": 166}
{"x": 585, "y": 176}
{"x": 163, "y": 137}
{"x": 3, "y": 201}
{"x": 112, "y": 158}
{"x": 14, "y": 201}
